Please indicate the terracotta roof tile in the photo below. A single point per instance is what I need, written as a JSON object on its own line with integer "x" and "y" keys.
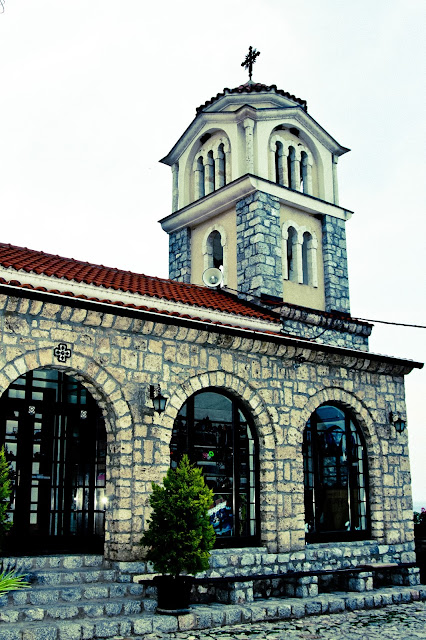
{"x": 67, "y": 269}
{"x": 253, "y": 87}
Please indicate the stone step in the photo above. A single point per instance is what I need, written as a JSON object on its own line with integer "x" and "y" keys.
{"x": 44, "y": 594}
{"x": 25, "y": 564}
{"x": 123, "y": 627}
{"x": 107, "y": 607}
{"x": 82, "y": 575}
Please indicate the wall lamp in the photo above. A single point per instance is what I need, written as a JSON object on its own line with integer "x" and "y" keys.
{"x": 158, "y": 400}
{"x": 399, "y": 424}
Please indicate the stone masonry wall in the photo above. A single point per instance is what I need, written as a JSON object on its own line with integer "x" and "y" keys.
{"x": 336, "y": 278}
{"x": 259, "y": 261}
{"x": 117, "y": 357}
{"x": 180, "y": 255}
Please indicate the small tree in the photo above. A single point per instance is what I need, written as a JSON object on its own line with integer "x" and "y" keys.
{"x": 5, "y": 493}
{"x": 179, "y": 535}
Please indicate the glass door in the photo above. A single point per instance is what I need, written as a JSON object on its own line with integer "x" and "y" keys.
{"x": 55, "y": 441}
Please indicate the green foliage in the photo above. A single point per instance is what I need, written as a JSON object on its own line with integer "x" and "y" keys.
{"x": 11, "y": 581}
{"x": 420, "y": 516}
{"x": 179, "y": 536}
{"x": 5, "y": 493}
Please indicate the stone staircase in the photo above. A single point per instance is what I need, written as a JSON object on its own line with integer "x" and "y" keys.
{"x": 88, "y": 598}
{"x": 73, "y": 598}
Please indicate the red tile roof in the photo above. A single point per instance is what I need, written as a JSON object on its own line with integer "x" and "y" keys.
{"x": 68, "y": 269}
{"x": 253, "y": 87}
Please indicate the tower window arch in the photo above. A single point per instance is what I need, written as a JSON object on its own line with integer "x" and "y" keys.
{"x": 335, "y": 477}
{"x": 214, "y": 430}
{"x": 292, "y": 266}
{"x": 215, "y": 250}
{"x": 211, "y": 166}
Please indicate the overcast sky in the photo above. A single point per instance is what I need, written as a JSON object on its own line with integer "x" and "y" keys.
{"x": 95, "y": 92}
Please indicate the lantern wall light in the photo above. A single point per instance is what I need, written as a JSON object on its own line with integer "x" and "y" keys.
{"x": 158, "y": 400}
{"x": 398, "y": 422}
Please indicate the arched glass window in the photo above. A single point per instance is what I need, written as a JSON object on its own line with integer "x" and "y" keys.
{"x": 213, "y": 429}
{"x": 291, "y": 255}
{"x": 55, "y": 440}
{"x": 336, "y": 478}
{"x": 221, "y": 166}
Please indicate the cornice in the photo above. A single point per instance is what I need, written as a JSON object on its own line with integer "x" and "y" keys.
{"x": 225, "y": 198}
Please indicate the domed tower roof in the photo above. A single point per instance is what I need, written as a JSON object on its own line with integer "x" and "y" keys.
{"x": 251, "y": 88}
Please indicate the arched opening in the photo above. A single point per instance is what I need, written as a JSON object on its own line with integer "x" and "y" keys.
{"x": 279, "y": 167}
{"x": 216, "y": 433}
{"x": 307, "y": 259}
{"x": 291, "y": 255}
{"x": 55, "y": 440}
{"x": 336, "y": 477}
{"x": 221, "y": 166}
{"x": 216, "y": 250}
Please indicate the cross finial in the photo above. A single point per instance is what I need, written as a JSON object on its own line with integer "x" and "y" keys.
{"x": 249, "y": 61}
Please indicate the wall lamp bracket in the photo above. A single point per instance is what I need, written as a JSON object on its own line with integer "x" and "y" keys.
{"x": 158, "y": 400}
{"x": 398, "y": 422}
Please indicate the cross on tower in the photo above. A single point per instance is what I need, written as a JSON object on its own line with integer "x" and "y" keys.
{"x": 249, "y": 61}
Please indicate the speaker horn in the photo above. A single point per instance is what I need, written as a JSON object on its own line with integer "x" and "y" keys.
{"x": 212, "y": 277}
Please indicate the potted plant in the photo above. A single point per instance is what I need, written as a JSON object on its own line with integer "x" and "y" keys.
{"x": 179, "y": 537}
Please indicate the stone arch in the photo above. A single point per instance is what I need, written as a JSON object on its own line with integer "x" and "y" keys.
{"x": 305, "y": 153}
{"x": 349, "y": 401}
{"x": 107, "y": 393}
{"x": 95, "y": 378}
{"x": 207, "y": 249}
{"x": 209, "y": 148}
{"x": 265, "y": 422}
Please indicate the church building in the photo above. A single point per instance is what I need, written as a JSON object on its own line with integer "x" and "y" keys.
{"x": 247, "y": 359}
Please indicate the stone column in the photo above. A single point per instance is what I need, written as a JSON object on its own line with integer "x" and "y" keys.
{"x": 175, "y": 187}
{"x": 180, "y": 255}
{"x": 259, "y": 256}
{"x": 335, "y": 183}
{"x": 199, "y": 178}
{"x": 295, "y": 172}
{"x": 298, "y": 260}
{"x": 336, "y": 282}
{"x": 249, "y": 128}
{"x": 209, "y": 175}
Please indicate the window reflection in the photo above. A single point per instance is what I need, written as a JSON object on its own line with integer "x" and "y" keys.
{"x": 335, "y": 472}
{"x": 215, "y": 433}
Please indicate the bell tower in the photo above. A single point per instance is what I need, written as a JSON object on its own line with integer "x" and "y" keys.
{"x": 255, "y": 194}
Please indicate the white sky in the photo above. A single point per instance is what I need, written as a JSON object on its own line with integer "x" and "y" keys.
{"x": 95, "y": 92}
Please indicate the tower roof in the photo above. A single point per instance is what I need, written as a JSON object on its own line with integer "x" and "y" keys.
{"x": 253, "y": 87}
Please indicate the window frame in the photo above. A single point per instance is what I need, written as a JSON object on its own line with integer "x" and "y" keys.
{"x": 353, "y": 484}
{"x": 233, "y": 541}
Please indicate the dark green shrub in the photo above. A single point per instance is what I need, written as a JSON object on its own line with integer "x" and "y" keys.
{"x": 180, "y": 537}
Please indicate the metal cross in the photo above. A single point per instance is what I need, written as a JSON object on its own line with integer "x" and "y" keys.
{"x": 62, "y": 352}
{"x": 250, "y": 59}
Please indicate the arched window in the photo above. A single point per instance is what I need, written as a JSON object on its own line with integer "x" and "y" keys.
{"x": 336, "y": 477}
{"x": 291, "y": 255}
{"x": 279, "y": 164}
{"x": 55, "y": 440}
{"x": 221, "y": 162}
{"x": 307, "y": 259}
{"x": 215, "y": 244}
{"x": 215, "y": 432}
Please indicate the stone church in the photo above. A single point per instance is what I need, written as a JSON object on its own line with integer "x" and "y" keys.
{"x": 267, "y": 379}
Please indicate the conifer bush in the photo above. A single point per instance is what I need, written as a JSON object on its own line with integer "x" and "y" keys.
{"x": 180, "y": 537}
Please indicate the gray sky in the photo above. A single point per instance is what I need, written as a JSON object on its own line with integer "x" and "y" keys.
{"x": 94, "y": 93}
